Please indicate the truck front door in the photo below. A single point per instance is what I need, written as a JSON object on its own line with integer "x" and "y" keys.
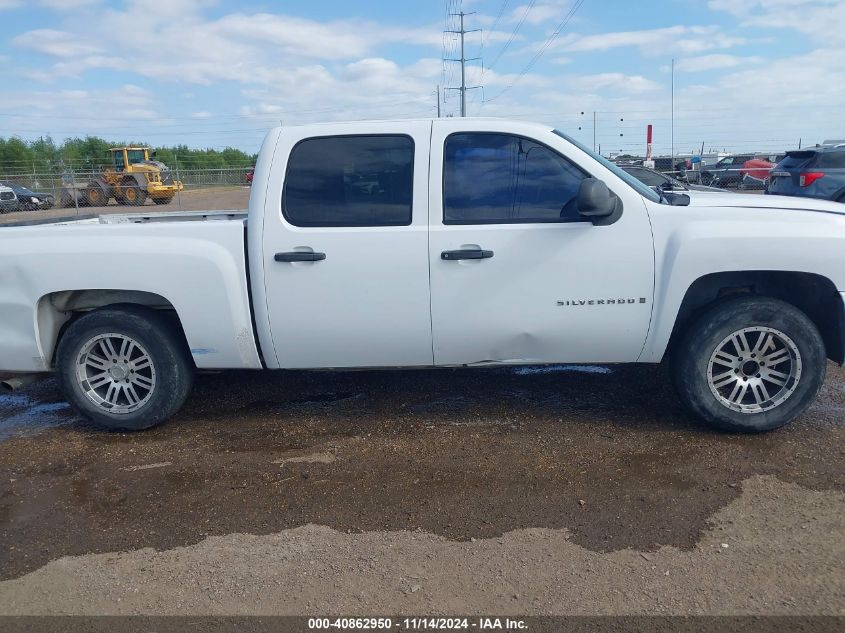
{"x": 517, "y": 276}
{"x": 346, "y": 249}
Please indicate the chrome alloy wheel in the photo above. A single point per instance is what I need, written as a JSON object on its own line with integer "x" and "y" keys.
{"x": 754, "y": 369}
{"x": 116, "y": 373}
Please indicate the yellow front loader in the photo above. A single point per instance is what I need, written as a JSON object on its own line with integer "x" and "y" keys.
{"x": 132, "y": 177}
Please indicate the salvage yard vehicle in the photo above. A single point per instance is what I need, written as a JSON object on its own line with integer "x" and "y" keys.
{"x": 657, "y": 180}
{"x": 444, "y": 243}
{"x": 8, "y": 200}
{"x": 30, "y": 200}
{"x": 132, "y": 177}
{"x": 814, "y": 172}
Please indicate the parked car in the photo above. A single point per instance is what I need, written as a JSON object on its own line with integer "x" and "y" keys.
{"x": 662, "y": 182}
{"x": 8, "y": 200}
{"x": 815, "y": 172}
{"x": 677, "y": 167}
{"x": 755, "y": 173}
{"x": 484, "y": 243}
{"x": 28, "y": 199}
{"x": 727, "y": 172}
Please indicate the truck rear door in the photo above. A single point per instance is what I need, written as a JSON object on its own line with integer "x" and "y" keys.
{"x": 346, "y": 247}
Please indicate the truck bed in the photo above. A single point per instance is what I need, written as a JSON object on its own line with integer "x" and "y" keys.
{"x": 193, "y": 263}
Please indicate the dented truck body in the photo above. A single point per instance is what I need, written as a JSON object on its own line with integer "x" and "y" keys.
{"x": 408, "y": 244}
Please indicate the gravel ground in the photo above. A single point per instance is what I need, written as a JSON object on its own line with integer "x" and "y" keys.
{"x": 561, "y": 491}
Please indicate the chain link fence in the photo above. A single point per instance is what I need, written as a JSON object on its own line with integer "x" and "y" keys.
{"x": 77, "y": 192}
{"x": 739, "y": 172}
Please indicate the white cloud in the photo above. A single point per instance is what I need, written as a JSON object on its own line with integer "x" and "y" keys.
{"x": 618, "y": 82}
{"x": 67, "y": 5}
{"x": 821, "y": 20}
{"x": 56, "y": 5}
{"x": 113, "y": 112}
{"x": 202, "y": 114}
{"x": 678, "y": 39}
{"x": 714, "y": 62}
{"x": 55, "y": 43}
{"x": 539, "y": 14}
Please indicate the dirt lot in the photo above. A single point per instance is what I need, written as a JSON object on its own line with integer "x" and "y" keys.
{"x": 216, "y": 198}
{"x": 561, "y": 491}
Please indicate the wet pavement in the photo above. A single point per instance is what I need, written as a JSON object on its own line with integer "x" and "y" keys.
{"x": 607, "y": 454}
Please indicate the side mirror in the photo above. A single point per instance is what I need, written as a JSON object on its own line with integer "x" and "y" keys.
{"x": 597, "y": 203}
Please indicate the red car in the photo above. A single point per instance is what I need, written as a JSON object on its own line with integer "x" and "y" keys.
{"x": 249, "y": 175}
{"x": 755, "y": 173}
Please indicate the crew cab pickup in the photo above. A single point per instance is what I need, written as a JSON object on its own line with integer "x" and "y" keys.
{"x": 452, "y": 242}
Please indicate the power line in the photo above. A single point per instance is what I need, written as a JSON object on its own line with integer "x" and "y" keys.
{"x": 513, "y": 34}
{"x": 495, "y": 23}
{"x": 572, "y": 11}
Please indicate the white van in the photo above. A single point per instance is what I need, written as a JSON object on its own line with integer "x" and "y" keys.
{"x": 8, "y": 200}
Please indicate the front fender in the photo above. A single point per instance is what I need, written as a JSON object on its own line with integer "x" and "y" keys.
{"x": 694, "y": 242}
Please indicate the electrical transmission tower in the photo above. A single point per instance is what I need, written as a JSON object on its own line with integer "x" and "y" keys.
{"x": 463, "y": 61}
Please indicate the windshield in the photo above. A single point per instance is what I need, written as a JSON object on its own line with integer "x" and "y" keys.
{"x": 635, "y": 184}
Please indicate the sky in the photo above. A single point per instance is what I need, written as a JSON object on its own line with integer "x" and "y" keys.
{"x": 749, "y": 75}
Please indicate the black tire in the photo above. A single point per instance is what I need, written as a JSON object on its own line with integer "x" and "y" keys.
{"x": 164, "y": 200}
{"x": 133, "y": 194}
{"x": 691, "y": 359}
{"x": 161, "y": 339}
{"x": 97, "y": 196}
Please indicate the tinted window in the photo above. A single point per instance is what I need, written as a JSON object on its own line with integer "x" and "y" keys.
{"x": 500, "y": 179}
{"x": 831, "y": 160}
{"x": 350, "y": 181}
{"x": 135, "y": 156}
{"x": 796, "y": 160}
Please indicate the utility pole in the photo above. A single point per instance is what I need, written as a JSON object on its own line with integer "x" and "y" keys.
{"x": 594, "y": 130}
{"x": 672, "y": 126}
{"x": 438, "y": 101}
{"x": 463, "y": 61}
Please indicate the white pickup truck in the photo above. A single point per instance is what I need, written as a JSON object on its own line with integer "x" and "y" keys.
{"x": 452, "y": 242}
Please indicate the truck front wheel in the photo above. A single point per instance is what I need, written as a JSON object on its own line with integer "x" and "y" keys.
{"x": 749, "y": 364}
{"x": 133, "y": 194}
{"x": 124, "y": 367}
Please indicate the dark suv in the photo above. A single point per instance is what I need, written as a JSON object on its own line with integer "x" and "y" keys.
{"x": 725, "y": 173}
{"x": 815, "y": 172}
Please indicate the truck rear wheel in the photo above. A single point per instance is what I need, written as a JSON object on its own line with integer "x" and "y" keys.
{"x": 97, "y": 195}
{"x": 749, "y": 364}
{"x": 124, "y": 367}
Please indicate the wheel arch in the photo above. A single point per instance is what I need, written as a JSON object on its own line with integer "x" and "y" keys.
{"x": 103, "y": 184}
{"x": 138, "y": 179}
{"x": 57, "y": 310}
{"x": 813, "y": 294}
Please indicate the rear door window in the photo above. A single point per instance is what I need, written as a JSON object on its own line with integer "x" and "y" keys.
{"x": 350, "y": 181}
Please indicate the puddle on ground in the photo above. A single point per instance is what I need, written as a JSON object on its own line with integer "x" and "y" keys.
{"x": 20, "y": 415}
